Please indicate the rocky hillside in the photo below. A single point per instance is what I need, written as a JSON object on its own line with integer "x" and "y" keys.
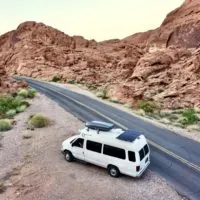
{"x": 8, "y": 84}
{"x": 161, "y": 65}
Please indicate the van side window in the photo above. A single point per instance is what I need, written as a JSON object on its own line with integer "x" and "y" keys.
{"x": 94, "y": 146}
{"x": 78, "y": 143}
{"x": 114, "y": 152}
{"x": 131, "y": 156}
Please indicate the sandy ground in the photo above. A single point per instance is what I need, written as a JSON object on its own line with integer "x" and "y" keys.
{"x": 194, "y": 135}
{"x": 35, "y": 168}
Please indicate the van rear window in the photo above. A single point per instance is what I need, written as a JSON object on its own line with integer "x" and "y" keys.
{"x": 131, "y": 156}
{"x": 114, "y": 152}
{"x": 141, "y": 153}
{"x": 146, "y": 149}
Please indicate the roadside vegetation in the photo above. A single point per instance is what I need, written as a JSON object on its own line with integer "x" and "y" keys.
{"x": 38, "y": 121}
{"x": 188, "y": 118}
{"x": 56, "y": 78}
{"x": 5, "y": 125}
{"x": 102, "y": 94}
{"x": 12, "y": 104}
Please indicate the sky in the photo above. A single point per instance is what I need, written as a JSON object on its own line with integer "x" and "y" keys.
{"x": 93, "y": 19}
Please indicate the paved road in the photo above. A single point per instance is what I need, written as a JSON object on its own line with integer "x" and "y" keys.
{"x": 174, "y": 157}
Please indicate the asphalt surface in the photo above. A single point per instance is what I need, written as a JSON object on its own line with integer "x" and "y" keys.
{"x": 179, "y": 160}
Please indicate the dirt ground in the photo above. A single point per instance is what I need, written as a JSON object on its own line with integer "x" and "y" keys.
{"x": 35, "y": 169}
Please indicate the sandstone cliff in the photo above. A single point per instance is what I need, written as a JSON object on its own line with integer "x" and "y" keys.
{"x": 161, "y": 65}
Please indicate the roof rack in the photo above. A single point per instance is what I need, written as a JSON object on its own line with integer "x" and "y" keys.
{"x": 99, "y": 126}
{"x": 129, "y": 135}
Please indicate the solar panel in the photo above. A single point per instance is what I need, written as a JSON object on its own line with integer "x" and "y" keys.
{"x": 129, "y": 135}
{"x": 99, "y": 125}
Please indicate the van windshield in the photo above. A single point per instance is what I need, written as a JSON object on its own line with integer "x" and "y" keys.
{"x": 73, "y": 140}
{"x": 143, "y": 152}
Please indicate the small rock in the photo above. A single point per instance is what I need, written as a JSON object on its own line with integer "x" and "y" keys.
{"x": 140, "y": 112}
{"x": 27, "y": 135}
{"x": 195, "y": 127}
{"x": 165, "y": 121}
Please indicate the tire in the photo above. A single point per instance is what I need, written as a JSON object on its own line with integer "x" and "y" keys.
{"x": 68, "y": 156}
{"x": 113, "y": 171}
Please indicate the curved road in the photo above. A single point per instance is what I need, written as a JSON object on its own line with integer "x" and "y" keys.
{"x": 174, "y": 157}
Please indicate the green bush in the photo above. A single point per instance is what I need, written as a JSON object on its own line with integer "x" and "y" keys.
{"x": 21, "y": 108}
{"x": 38, "y": 121}
{"x": 13, "y": 94}
{"x": 71, "y": 82}
{"x": 31, "y": 93}
{"x": 5, "y": 125}
{"x": 56, "y": 78}
{"x": 24, "y": 103}
{"x": 8, "y": 103}
{"x": 23, "y": 93}
{"x": 11, "y": 113}
{"x": 148, "y": 107}
{"x": 189, "y": 117}
{"x": 114, "y": 101}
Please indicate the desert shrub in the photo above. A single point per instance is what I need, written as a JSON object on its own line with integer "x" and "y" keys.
{"x": 56, "y": 78}
{"x": 173, "y": 117}
{"x": 197, "y": 110}
{"x": 11, "y": 113}
{"x": 114, "y": 101}
{"x": 189, "y": 117}
{"x": 31, "y": 93}
{"x": 24, "y": 103}
{"x": 178, "y": 111}
{"x": 13, "y": 94}
{"x": 140, "y": 112}
{"x": 91, "y": 87}
{"x": 38, "y": 121}
{"x": 128, "y": 105}
{"x": 23, "y": 93}
{"x": 147, "y": 106}
{"x": 8, "y": 103}
{"x": 71, "y": 81}
{"x": 102, "y": 94}
{"x": 5, "y": 125}
{"x": 21, "y": 108}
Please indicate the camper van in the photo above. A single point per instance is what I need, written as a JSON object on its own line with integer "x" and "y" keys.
{"x": 117, "y": 150}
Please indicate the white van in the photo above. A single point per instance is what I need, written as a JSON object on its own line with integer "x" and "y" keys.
{"x": 119, "y": 151}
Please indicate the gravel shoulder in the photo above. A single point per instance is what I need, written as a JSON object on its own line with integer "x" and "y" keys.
{"x": 194, "y": 135}
{"x": 35, "y": 168}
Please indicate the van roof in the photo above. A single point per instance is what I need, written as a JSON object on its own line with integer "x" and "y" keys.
{"x": 129, "y": 139}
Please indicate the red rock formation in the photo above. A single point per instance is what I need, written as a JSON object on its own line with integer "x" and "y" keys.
{"x": 160, "y": 65}
{"x": 8, "y": 84}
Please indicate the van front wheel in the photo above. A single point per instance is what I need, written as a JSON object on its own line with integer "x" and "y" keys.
{"x": 68, "y": 156}
{"x": 113, "y": 171}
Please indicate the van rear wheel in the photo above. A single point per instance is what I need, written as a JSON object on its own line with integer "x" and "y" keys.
{"x": 68, "y": 156}
{"x": 113, "y": 171}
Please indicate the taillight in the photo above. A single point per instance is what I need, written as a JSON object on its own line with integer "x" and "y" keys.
{"x": 137, "y": 168}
